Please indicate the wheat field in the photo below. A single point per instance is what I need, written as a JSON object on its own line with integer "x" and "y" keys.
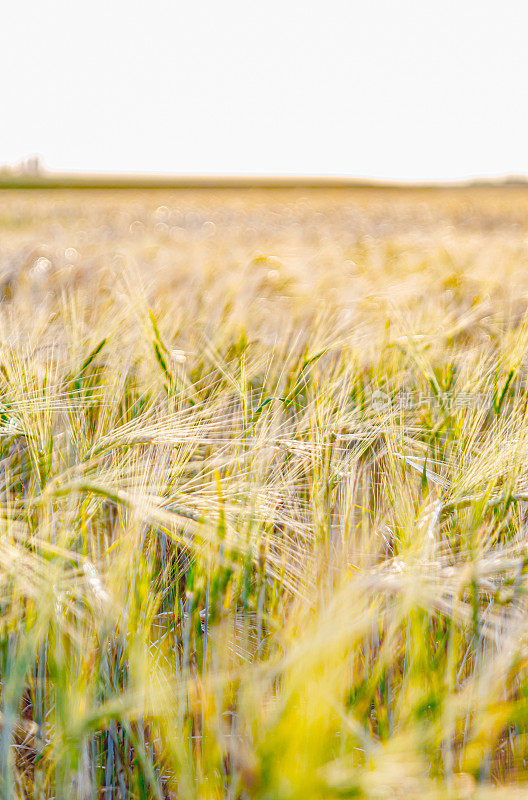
{"x": 264, "y": 494}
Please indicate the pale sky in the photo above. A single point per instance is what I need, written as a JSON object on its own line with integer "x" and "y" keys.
{"x": 394, "y": 89}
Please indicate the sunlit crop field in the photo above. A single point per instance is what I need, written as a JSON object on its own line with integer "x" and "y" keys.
{"x": 264, "y": 494}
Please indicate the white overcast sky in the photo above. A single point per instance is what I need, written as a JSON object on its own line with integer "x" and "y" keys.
{"x": 397, "y": 89}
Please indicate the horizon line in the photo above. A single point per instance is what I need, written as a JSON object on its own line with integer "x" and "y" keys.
{"x": 43, "y": 179}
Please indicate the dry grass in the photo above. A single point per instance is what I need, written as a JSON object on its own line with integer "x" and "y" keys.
{"x": 263, "y": 494}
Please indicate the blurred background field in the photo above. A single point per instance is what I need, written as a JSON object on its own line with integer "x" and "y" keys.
{"x": 263, "y": 493}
